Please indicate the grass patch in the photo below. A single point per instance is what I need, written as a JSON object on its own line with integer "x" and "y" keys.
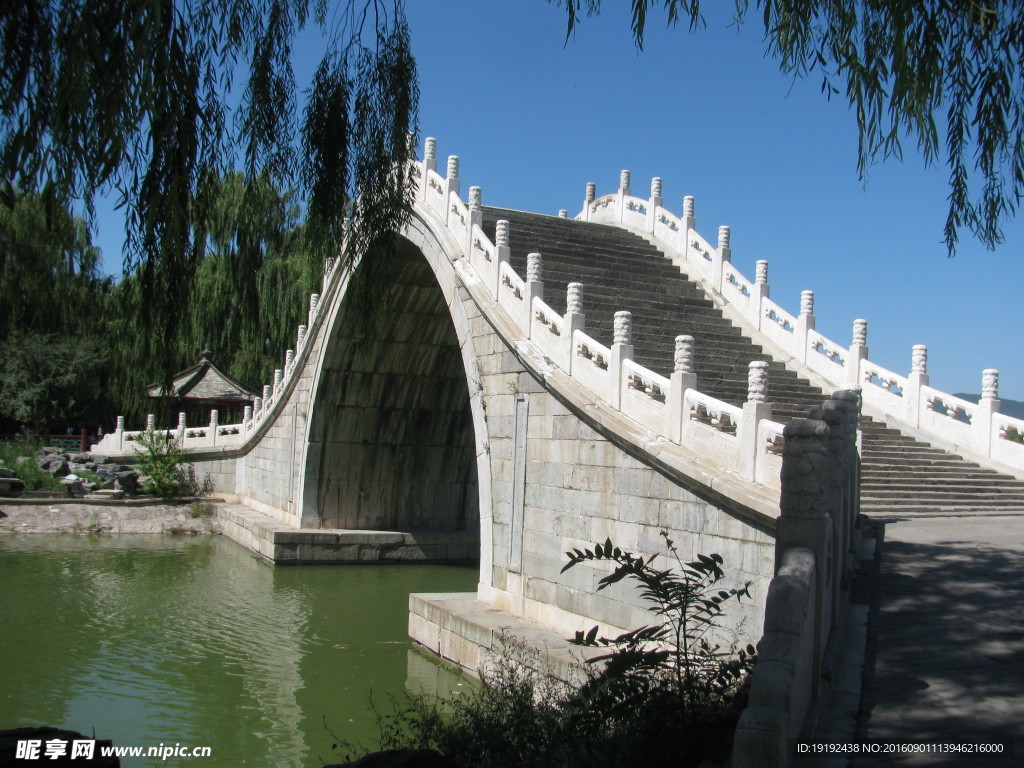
{"x": 28, "y": 472}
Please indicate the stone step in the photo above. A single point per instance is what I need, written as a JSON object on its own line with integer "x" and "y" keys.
{"x": 619, "y": 269}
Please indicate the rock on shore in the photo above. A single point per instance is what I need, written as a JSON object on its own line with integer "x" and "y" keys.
{"x": 92, "y": 518}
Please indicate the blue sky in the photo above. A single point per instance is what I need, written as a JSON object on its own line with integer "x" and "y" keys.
{"x": 534, "y": 120}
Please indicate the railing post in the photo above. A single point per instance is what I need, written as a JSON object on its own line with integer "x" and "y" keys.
{"x": 858, "y": 352}
{"x": 755, "y": 409}
{"x": 314, "y": 303}
{"x": 503, "y": 253}
{"x": 683, "y": 378}
{"x": 451, "y": 184}
{"x": 574, "y": 320}
{"x": 689, "y": 220}
{"x": 278, "y": 381}
{"x": 150, "y": 423}
{"x": 119, "y": 432}
{"x": 804, "y": 519}
{"x": 654, "y": 203}
{"x": 246, "y": 417}
{"x": 804, "y": 323}
{"x": 563, "y": 213}
{"x": 182, "y": 421}
{"x": 622, "y": 350}
{"x": 588, "y": 200}
{"x": 533, "y": 287}
{"x": 725, "y": 254}
{"x": 981, "y": 424}
{"x": 918, "y": 378}
{"x": 300, "y": 337}
{"x": 430, "y": 154}
{"x": 761, "y": 290}
{"x": 476, "y": 217}
{"x": 623, "y": 192}
{"x": 214, "y": 422}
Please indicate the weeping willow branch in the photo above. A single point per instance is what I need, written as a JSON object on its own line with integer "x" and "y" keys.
{"x": 133, "y": 96}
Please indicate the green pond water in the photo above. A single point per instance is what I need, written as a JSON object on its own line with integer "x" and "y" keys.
{"x": 154, "y": 639}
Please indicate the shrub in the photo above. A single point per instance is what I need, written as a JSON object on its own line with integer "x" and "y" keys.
{"x": 663, "y": 695}
{"x": 28, "y": 472}
{"x": 163, "y": 460}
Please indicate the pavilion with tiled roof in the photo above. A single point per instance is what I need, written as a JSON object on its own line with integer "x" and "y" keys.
{"x": 202, "y": 388}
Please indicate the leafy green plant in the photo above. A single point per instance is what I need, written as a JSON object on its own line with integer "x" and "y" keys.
{"x": 163, "y": 460}
{"x": 673, "y": 654}
{"x": 28, "y": 472}
{"x": 663, "y": 694}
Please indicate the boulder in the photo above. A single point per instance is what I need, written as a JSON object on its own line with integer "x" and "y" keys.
{"x": 11, "y": 486}
{"x": 127, "y": 481}
{"x": 73, "y": 485}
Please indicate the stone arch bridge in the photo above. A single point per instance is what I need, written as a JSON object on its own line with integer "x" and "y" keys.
{"x": 544, "y": 383}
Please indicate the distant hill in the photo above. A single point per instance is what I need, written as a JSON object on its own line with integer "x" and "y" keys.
{"x": 1014, "y": 408}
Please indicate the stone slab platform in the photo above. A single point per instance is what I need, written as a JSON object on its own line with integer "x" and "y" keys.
{"x": 470, "y": 633}
{"x": 294, "y": 546}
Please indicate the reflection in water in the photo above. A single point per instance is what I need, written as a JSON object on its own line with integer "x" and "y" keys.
{"x": 160, "y": 639}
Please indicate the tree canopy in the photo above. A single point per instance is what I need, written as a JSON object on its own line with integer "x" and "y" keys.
{"x": 136, "y": 97}
{"x": 902, "y": 66}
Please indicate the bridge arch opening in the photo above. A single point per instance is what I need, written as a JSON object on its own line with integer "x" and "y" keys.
{"x": 392, "y": 422}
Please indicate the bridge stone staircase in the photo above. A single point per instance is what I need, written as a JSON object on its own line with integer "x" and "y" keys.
{"x": 621, "y": 271}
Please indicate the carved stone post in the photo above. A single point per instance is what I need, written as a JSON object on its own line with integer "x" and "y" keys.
{"x": 804, "y": 323}
{"x": 805, "y": 521}
{"x": 247, "y": 415}
{"x": 725, "y": 254}
{"x": 452, "y": 184}
{"x": 278, "y": 380}
{"x": 476, "y": 216}
{"x": 300, "y": 337}
{"x": 689, "y": 219}
{"x": 257, "y": 406}
{"x": 503, "y": 253}
{"x": 623, "y": 192}
{"x": 683, "y": 377}
{"x": 563, "y": 213}
{"x": 858, "y": 352}
{"x": 981, "y": 424}
{"x": 755, "y": 409}
{"x": 533, "y": 288}
{"x": 574, "y": 320}
{"x": 266, "y": 394}
{"x": 761, "y": 291}
{"x": 654, "y": 203}
{"x": 918, "y": 378}
{"x": 119, "y": 433}
{"x": 211, "y": 436}
{"x": 289, "y": 359}
{"x": 588, "y": 200}
{"x": 150, "y": 423}
{"x": 430, "y": 154}
{"x": 622, "y": 350}
{"x": 181, "y": 426}
{"x": 314, "y": 302}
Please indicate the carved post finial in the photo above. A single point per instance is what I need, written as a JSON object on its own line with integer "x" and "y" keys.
{"x": 591, "y": 192}
{"x": 453, "y": 167}
{"x": 624, "y": 182}
{"x": 623, "y": 328}
{"x": 757, "y": 382}
{"x": 919, "y": 359}
{"x": 475, "y": 199}
{"x": 683, "y": 357}
{"x": 574, "y": 299}
{"x": 301, "y": 336}
{"x": 860, "y": 333}
{"x": 257, "y": 404}
{"x": 761, "y": 269}
{"x": 430, "y": 152}
{"x": 247, "y": 414}
{"x": 214, "y": 418}
{"x": 533, "y": 268}
{"x": 688, "y": 207}
{"x": 501, "y": 233}
{"x": 807, "y": 302}
{"x": 150, "y": 422}
{"x": 724, "y": 235}
{"x": 563, "y": 213}
{"x": 656, "y": 186}
{"x": 182, "y": 419}
{"x": 314, "y": 302}
{"x": 289, "y": 358}
{"x": 278, "y": 378}
{"x": 990, "y": 384}
{"x": 120, "y": 424}
{"x": 266, "y": 392}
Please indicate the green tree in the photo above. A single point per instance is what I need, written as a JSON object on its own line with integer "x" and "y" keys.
{"x": 901, "y": 65}
{"x": 48, "y": 381}
{"x": 135, "y": 96}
